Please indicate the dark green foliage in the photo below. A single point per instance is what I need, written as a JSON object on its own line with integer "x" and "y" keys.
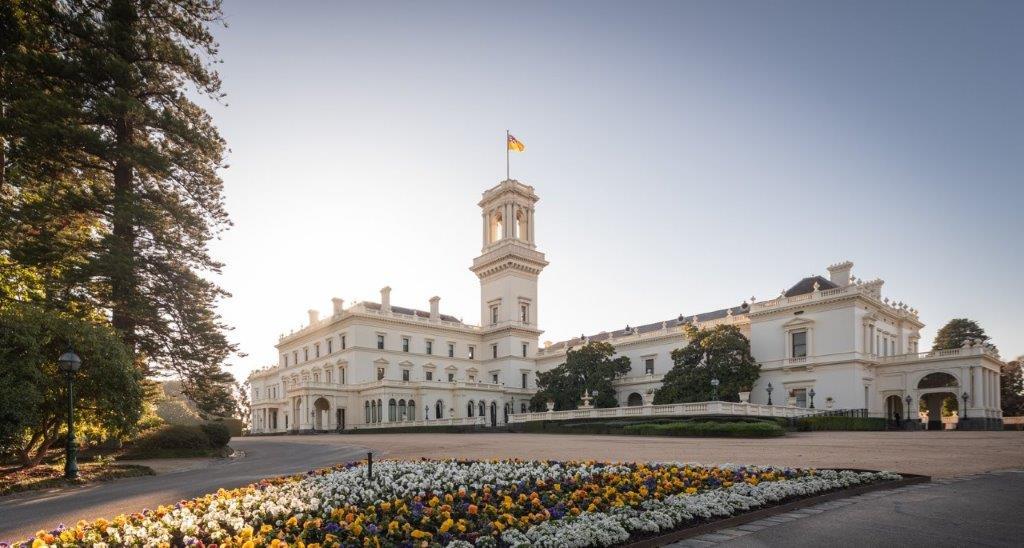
{"x": 722, "y": 353}
{"x": 108, "y": 389}
{"x": 592, "y": 367}
{"x": 217, "y": 432}
{"x": 808, "y": 424}
{"x": 617, "y": 426}
{"x": 109, "y": 185}
{"x": 172, "y": 436}
{"x": 760, "y": 429}
{"x": 956, "y": 331}
{"x": 1011, "y": 388}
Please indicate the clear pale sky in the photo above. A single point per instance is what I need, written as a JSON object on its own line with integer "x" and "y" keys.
{"x": 688, "y": 155}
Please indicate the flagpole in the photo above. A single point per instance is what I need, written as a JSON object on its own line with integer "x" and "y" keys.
{"x": 507, "y": 170}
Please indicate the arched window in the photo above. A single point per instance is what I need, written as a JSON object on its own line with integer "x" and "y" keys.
{"x": 392, "y": 410}
{"x": 373, "y": 411}
{"x": 439, "y": 410}
{"x": 483, "y": 409}
{"x": 412, "y": 410}
{"x": 401, "y": 410}
{"x": 469, "y": 409}
{"x": 635, "y": 400}
{"x": 366, "y": 411}
{"x": 497, "y": 226}
{"x": 380, "y": 411}
{"x": 522, "y": 225}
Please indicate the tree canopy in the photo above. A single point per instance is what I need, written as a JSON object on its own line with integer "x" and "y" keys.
{"x": 591, "y": 367}
{"x": 722, "y": 353}
{"x": 108, "y": 388}
{"x": 956, "y": 331}
{"x": 1011, "y": 388}
{"x": 109, "y": 175}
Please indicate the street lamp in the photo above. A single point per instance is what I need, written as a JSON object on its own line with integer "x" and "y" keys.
{"x": 811, "y": 394}
{"x": 69, "y": 363}
{"x": 769, "y": 389}
{"x": 965, "y": 397}
{"x": 714, "y": 386}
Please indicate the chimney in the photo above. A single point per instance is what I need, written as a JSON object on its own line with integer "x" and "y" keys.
{"x": 314, "y": 316}
{"x": 385, "y": 299}
{"x": 839, "y": 273}
{"x": 435, "y": 313}
{"x": 339, "y": 305}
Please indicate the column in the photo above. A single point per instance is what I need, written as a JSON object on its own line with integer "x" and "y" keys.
{"x": 529, "y": 226}
{"x": 977, "y": 392}
{"x": 509, "y": 224}
{"x": 484, "y": 218}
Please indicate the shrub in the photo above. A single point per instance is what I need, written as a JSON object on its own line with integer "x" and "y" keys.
{"x": 711, "y": 429}
{"x": 173, "y": 436}
{"x": 217, "y": 432}
{"x": 809, "y": 424}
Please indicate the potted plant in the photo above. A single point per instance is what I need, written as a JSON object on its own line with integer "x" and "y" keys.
{"x": 745, "y": 394}
{"x": 829, "y": 401}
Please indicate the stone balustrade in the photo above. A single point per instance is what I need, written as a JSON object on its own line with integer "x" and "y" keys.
{"x": 707, "y": 408}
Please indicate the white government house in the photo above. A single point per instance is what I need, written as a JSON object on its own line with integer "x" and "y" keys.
{"x": 827, "y": 342}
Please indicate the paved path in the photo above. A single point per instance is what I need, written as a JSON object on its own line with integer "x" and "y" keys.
{"x": 939, "y": 454}
{"x": 977, "y": 510}
{"x": 23, "y": 514}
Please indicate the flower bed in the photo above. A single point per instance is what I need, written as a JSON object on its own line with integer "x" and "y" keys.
{"x": 462, "y": 504}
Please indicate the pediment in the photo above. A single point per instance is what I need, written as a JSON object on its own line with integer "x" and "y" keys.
{"x": 798, "y": 322}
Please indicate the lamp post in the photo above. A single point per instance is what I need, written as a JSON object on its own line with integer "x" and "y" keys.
{"x": 909, "y": 401}
{"x": 769, "y": 389}
{"x": 69, "y": 363}
{"x": 811, "y": 394}
{"x": 965, "y": 397}
{"x": 714, "y": 387}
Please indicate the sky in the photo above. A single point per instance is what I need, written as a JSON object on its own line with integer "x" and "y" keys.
{"x": 688, "y": 155}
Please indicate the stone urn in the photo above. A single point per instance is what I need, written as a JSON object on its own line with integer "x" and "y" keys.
{"x": 745, "y": 397}
{"x": 551, "y": 405}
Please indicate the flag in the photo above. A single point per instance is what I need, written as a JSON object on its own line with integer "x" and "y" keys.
{"x": 514, "y": 144}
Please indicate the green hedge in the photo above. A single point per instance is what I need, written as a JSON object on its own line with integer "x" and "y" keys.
{"x": 615, "y": 426}
{"x": 709, "y": 429}
{"x": 810, "y": 424}
{"x": 178, "y": 440}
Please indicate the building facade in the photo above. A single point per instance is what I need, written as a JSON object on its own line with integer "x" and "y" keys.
{"x": 836, "y": 342}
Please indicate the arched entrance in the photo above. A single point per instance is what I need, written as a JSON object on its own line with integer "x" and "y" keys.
{"x": 439, "y": 410}
{"x": 635, "y": 400}
{"x": 938, "y": 393}
{"x": 494, "y": 414}
{"x": 320, "y": 413}
{"x": 894, "y": 411}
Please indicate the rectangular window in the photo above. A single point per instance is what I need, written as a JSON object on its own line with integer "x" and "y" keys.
{"x": 285, "y": 360}
{"x": 343, "y": 342}
{"x": 494, "y": 315}
{"x": 405, "y": 375}
{"x": 524, "y": 380}
{"x": 405, "y": 344}
{"x": 800, "y": 344}
{"x": 327, "y": 376}
{"x": 494, "y": 378}
{"x": 451, "y": 377}
{"x": 451, "y": 350}
{"x": 380, "y": 373}
{"x": 524, "y": 313}
{"x": 295, "y": 357}
{"x": 494, "y": 351}
{"x": 649, "y": 366}
{"x": 430, "y": 375}
{"x": 305, "y": 354}
{"x": 341, "y": 376}
{"x": 330, "y": 346}
{"x": 430, "y": 347}
{"x": 525, "y": 348}
{"x": 472, "y": 378}
{"x": 472, "y": 352}
{"x": 801, "y": 397}
{"x": 380, "y": 342}
{"x": 317, "y": 348}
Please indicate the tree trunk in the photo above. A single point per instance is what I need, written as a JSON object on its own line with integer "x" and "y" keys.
{"x": 123, "y": 278}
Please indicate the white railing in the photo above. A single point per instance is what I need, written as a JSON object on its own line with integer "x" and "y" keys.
{"x": 671, "y": 410}
{"x": 463, "y": 421}
{"x": 635, "y": 336}
{"x": 938, "y": 354}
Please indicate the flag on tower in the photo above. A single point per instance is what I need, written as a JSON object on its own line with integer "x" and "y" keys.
{"x": 514, "y": 144}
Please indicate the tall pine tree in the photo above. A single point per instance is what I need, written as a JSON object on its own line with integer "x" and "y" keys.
{"x": 104, "y": 144}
